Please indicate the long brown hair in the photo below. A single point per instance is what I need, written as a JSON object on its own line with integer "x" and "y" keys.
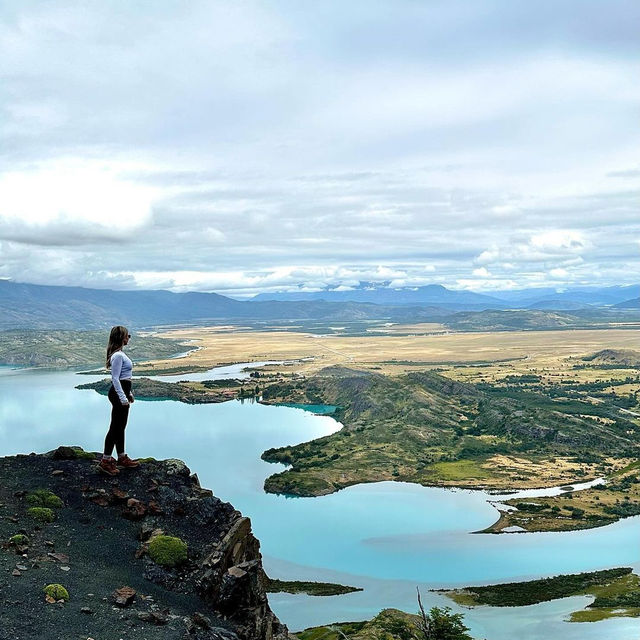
{"x": 116, "y": 339}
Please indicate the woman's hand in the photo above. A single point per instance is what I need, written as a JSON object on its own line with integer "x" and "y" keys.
{"x": 131, "y": 398}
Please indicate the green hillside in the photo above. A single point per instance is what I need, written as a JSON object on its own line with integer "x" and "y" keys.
{"x": 425, "y": 428}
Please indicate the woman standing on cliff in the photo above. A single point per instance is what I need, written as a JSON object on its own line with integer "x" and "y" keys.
{"x": 121, "y": 398}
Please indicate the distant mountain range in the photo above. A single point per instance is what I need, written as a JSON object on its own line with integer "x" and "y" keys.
{"x": 628, "y": 304}
{"x": 29, "y": 306}
{"x": 433, "y": 294}
{"x": 437, "y": 295}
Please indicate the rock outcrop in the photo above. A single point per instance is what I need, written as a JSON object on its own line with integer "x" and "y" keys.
{"x": 105, "y": 527}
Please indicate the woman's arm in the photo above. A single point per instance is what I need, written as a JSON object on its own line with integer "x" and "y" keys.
{"x": 116, "y": 367}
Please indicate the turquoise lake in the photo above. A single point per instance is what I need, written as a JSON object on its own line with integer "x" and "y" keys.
{"x": 387, "y": 537}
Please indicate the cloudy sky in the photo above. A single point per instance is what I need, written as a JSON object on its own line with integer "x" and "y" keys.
{"x": 240, "y": 147}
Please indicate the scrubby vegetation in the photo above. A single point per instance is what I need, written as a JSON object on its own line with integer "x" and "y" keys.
{"x": 392, "y": 624}
{"x": 616, "y": 593}
{"x": 427, "y": 428}
{"x": 188, "y": 392}
{"x": 80, "y": 454}
{"x": 310, "y": 588}
{"x": 519, "y": 594}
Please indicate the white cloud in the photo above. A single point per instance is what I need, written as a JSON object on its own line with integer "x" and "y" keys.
{"x": 494, "y": 284}
{"x": 247, "y": 146}
{"x": 562, "y": 240}
{"x": 47, "y": 203}
{"x": 488, "y": 256}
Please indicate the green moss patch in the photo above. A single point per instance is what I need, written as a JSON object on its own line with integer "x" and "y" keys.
{"x": 41, "y": 514}
{"x": 19, "y": 540}
{"x": 57, "y": 592}
{"x": 81, "y": 454}
{"x": 44, "y": 498}
{"x": 168, "y": 551}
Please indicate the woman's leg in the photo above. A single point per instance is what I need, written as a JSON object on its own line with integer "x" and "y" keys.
{"x": 124, "y": 416}
{"x": 126, "y": 387}
{"x": 119, "y": 416}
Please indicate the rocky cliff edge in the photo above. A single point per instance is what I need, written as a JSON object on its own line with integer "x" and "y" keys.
{"x": 94, "y": 537}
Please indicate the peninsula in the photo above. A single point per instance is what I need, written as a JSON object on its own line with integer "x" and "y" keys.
{"x": 426, "y": 428}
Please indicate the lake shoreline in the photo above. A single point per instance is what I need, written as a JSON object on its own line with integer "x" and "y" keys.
{"x": 232, "y": 389}
{"x": 210, "y": 435}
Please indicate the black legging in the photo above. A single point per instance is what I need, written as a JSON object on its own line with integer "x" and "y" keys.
{"x": 119, "y": 417}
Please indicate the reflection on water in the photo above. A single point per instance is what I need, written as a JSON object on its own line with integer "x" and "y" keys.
{"x": 390, "y": 536}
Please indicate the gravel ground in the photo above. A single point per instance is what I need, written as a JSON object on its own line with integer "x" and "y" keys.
{"x": 101, "y": 546}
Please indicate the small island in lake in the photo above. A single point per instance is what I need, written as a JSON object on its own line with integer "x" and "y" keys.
{"x": 616, "y": 591}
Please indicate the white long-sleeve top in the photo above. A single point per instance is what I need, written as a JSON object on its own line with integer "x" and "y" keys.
{"x": 121, "y": 369}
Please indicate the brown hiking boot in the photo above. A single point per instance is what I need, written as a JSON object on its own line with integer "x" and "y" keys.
{"x": 108, "y": 466}
{"x": 125, "y": 462}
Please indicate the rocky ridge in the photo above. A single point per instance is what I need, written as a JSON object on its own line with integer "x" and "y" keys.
{"x": 98, "y": 542}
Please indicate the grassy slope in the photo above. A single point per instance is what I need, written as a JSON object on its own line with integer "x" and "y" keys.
{"x": 75, "y": 348}
{"x": 425, "y": 428}
{"x": 608, "y": 357}
{"x": 537, "y": 319}
{"x": 389, "y": 624}
{"x": 513, "y": 320}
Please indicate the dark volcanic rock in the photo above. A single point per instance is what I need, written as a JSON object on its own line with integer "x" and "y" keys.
{"x": 124, "y": 596}
{"x": 135, "y": 510}
{"x": 218, "y": 593}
